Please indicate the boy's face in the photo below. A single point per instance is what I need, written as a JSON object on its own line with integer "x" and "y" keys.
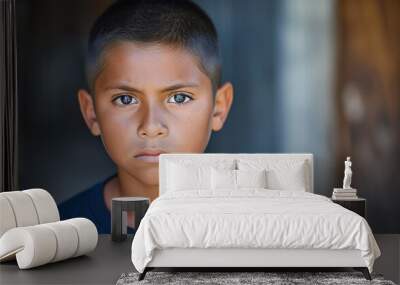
{"x": 152, "y": 99}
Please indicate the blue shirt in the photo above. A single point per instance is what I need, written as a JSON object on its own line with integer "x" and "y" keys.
{"x": 89, "y": 204}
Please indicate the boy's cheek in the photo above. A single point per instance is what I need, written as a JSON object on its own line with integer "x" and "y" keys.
{"x": 191, "y": 135}
{"x": 119, "y": 141}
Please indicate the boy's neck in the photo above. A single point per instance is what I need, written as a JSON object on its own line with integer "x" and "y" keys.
{"x": 125, "y": 185}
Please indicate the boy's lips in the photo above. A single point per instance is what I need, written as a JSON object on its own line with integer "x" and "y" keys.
{"x": 149, "y": 155}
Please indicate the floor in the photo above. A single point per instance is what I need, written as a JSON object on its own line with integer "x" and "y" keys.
{"x": 389, "y": 262}
{"x": 110, "y": 260}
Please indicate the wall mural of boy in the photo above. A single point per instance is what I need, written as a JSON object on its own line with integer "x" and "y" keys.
{"x": 153, "y": 69}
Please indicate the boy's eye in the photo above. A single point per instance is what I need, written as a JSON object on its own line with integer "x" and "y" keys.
{"x": 125, "y": 100}
{"x": 179, "y": 98}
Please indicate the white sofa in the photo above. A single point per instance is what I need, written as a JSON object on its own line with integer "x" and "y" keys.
{"x": 31, "y": 231}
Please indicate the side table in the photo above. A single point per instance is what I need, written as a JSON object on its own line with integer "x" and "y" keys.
{"x": 358, "y": 205}
{"x": 119, "y": 208}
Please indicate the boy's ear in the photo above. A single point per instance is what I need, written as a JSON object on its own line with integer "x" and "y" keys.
{"x": 86, "y": 104}
{"x": 222, "y": 105}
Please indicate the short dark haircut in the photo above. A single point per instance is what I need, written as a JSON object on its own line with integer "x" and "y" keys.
{"x": 179, "y": 23}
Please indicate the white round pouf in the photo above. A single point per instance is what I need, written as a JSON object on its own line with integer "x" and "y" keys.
{"x": 23, "y": 208}
{"x": 7, "y": 218}
{"x": 31, "y": 231}
{"x": 67, "y": 239}
{"x": 33, "y": 246}
{"x": 87, "y": 234}
{"x": 40, "y": 244}
{"x": 45, "y": 205}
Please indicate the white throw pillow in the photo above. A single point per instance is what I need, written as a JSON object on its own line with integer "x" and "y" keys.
{"x": 235, "y": 179}
{"x": 181, "y": 177}
{"x": 223, "y": 179}
{"x": 189, "y": 174}
{"x": 282, "y": 174}
{"x": 251, "y": 178}
{"x": 288, "y": 179}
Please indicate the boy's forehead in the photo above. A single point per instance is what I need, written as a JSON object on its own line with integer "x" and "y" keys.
{"x": 144, "y": 65}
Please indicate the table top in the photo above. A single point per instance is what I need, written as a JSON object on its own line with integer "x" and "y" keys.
{"x": 348, "y": 199}
{"x": 130, "y": 199}
{"x": 104, "y": 265}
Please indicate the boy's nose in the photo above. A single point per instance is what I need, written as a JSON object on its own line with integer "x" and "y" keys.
{"x": 152, "y": 132}
{"x": 152, "y": 125}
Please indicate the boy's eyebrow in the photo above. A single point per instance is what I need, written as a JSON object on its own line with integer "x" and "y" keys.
{"x": 169, "y": 88}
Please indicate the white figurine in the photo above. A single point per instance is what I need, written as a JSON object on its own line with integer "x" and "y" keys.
{"x": 347, "y": 174}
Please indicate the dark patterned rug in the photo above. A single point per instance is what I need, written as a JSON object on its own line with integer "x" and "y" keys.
{"x": 228, "y": 278}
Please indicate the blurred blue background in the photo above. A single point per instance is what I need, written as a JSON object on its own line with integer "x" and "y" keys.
{"x": 287, "y": 61}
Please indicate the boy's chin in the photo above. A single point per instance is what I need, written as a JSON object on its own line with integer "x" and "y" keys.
{"x": 146, "y": 172}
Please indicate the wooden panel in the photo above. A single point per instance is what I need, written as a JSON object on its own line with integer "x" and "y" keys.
{"x": 368, "y": 104}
